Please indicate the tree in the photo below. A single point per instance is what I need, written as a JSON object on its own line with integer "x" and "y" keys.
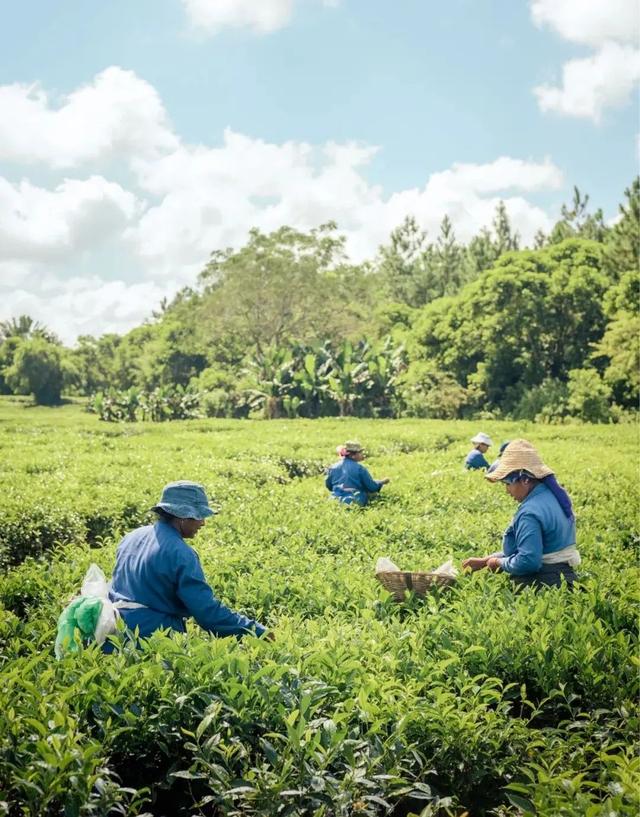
{"x": 401, "y": 264}
{"x": 428, "y": 392}
{"x": 38, "y": 368}
{"x": 25, "y": 327}
{"x": 618, "y": 351}
{"x": 540, "y": 240}
{"x": 447, "y": 262}
{"x": 280, "y": 287}
{"x": 533, "y": 316}
{"x": 588, "y": 396}
{"x": 623, "y": 244}
{"x": 94, "y": 360}
{"x": 480, "y": 255}
{"x": 505, "y": 238}
{"x": 577, "y": 222}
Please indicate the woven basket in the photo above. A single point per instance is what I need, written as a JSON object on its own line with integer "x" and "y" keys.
{"x": 398, "y": 581}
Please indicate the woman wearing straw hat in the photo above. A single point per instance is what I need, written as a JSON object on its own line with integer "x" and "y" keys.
{"x": 348, "y": 480}
{"x": 475, "y": 458}
{"x": 158, "y": 580}
{"x": 539, "y": 546}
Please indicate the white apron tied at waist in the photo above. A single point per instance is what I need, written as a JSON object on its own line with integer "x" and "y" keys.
{"x": 129, "y": 605}
{"x": 569, "y": 554}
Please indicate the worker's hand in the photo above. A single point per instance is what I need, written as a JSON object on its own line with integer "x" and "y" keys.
{"x": 494, "y": 564}
{"x": 385, "y": 481}
{"x": 269, "y": 635}
{"x": 475, "y": 563}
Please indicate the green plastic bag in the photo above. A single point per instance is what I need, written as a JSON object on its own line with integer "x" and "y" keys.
{"x": 80, "y": 615}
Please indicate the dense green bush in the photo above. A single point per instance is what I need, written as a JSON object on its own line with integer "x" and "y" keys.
{"x": 476, "y": 698}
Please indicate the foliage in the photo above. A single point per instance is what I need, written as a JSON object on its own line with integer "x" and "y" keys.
{"x": 428, "y": 392}
{"x": 532, "y": 316}
{"x": 25, "y": 328}
{"x": 39, "y": 368}
{"x": 546, "y": 402}
{"x": 577, "y": 222}
{"x": 281, "y": 287}
{"x": 619, "y": 347}
{"x": 623, "y": 248}
{"x": 588, "y": 396}
{"x": 287, "y": 326}
{"x": 479, "y": 699}
{"x": 157, "y": 405}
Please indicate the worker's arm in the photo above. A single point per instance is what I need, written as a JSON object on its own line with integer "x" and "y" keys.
{"x": 210, "y": 613}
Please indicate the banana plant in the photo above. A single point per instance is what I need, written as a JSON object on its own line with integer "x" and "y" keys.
{"x": 273, "y": 373}
{"x": 347, "y": 378}
{"x": 312, "y": 379}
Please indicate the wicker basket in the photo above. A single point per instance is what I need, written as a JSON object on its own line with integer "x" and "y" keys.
{"x": 398, "y": 581}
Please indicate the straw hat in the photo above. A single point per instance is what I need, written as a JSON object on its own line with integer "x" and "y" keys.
{"x": 350, "y": 447}
{"x": 481, "y": 437}
{"x": 519, "y": 455}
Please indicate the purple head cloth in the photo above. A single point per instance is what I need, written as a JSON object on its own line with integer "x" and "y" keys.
{"x": 564, "y": 500}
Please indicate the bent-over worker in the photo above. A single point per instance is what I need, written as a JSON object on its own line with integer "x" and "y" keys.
{"x": 539, "y": 546}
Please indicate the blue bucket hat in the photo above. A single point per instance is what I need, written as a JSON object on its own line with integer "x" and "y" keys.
{"x": 186, "y": 500}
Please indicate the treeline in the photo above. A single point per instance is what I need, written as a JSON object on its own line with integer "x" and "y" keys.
{"x": 287, "y": 326}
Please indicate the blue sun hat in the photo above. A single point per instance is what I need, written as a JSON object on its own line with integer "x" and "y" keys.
{"x": 186, "y": 500}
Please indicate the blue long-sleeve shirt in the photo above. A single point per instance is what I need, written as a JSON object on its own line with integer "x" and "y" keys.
{"x": 538, "y": 527}
{"x": 349, "y": 481}
{"x": 475, "y": 459}
{"x": 157, "y": 568}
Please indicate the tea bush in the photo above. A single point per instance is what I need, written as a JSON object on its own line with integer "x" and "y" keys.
{"x": 476, "y": 698}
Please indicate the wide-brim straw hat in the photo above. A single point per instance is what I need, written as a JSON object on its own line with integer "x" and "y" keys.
{"x": 351, "y": 447}
{"x": 519, "y": 455}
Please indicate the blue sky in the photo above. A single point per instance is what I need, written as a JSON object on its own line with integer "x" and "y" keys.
{"x": 136, "y": 137}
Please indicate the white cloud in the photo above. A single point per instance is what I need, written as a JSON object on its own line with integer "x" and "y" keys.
{"x": 186, "y": 200}
{"x": 592, "y": 84}
{"x": 117, "y": 115}
{"x": 78, "y": 306}
{"x": 211, "y": 197}
{"x": 590, "y": 22}
{"x": 262, "y": 16}
{"x": 39, "y": 224}
{"x": 606, "y": 78}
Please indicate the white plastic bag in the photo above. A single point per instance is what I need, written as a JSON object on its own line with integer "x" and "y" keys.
{"x": 447, "y": 569}
{"x": 385, "y": 565}
{"x": 95, "y": 584}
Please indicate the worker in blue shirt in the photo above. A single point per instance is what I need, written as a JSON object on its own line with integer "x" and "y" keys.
{"x": 539, "y": 546}
{"x": 348, "y": 480}
{"x": 496, "y": 462}
{"x": 158, "y": 580}
{"x": 475, "y": 458}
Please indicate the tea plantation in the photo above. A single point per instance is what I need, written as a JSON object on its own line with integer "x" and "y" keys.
{"x": 476, "y": 700}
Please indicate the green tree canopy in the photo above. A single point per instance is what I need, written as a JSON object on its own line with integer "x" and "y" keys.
{"x": 39, "y": 368}
{"x": 533, "y": 316}
{"x": 283, "y": 286}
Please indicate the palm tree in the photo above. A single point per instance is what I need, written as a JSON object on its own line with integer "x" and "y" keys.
{"x": 25, "y": 327}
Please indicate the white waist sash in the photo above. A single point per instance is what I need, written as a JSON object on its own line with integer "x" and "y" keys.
{"x": 569, "y": 554}
{"x": 129, "y": 605}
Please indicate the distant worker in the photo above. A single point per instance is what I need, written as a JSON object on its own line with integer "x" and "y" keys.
{"x": 475, "y": 458}
{"x": 496, "y": 462}
{"x": 348, "y": 480}
{"x": 158, "y": 580}
{"x": 539, "y": 546}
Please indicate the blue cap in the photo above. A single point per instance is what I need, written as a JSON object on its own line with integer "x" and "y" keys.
{"x": 186, "y": 500}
